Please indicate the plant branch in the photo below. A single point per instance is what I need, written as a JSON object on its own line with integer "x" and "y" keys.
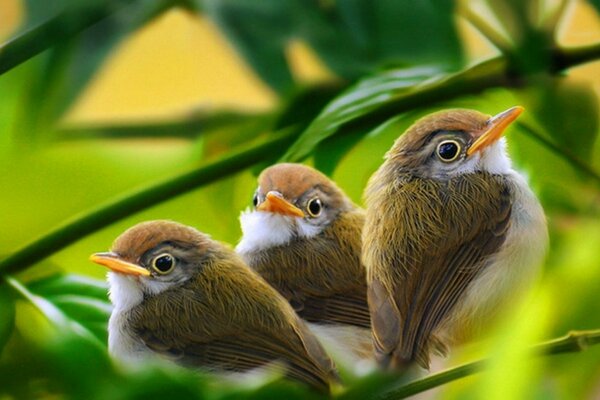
{"x": 184, "y": 128}
{"x": 139, "y": 200}
{"x": 575, "y": 341}
{"x": 568, "y": 57}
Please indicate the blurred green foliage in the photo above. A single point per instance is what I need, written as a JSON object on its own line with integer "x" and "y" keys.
{"x": 396, "y": 61}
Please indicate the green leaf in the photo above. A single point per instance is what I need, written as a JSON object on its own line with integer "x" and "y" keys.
{"x": 79, "y": 298}
{"x": 368, "y": 95}
{"x": 596, "y": 3}
{"x": 352, "y": 37}
{"x": 7, "y": 315}
{"x": 71, "y": 284}
{"x": 61, "y": 320}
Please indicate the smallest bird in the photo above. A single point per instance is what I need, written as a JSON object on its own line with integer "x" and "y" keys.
{"x": 178, "y": 294}
{"x": 304, "y": 238}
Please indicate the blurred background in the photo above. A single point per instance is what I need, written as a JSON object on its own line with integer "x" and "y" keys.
{"x": 103, "y": 101}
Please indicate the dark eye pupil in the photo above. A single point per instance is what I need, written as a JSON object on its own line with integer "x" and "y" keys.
{"x": 448, "y": 150}
{"x": 255, "y": 199}
{"x": 164, "y": 263}
{"x": 314, "y": 207}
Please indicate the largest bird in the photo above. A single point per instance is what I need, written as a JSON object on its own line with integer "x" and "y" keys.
{"x": 451, "y": 231}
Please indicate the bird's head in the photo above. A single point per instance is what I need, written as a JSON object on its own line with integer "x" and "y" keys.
{"x": 292, "y": 200}
{"x": 454, "y": 142}
{"x": 152, "y": 257}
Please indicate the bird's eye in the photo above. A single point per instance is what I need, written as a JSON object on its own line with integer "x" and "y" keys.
{"x": 163, "y": 263}
{"x": 255, "y": 200}
{"x": 314, "y": 207}
{"x": 448, "y": 150}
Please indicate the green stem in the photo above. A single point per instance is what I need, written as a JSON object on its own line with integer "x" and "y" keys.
{"x": 575, "y": 341}
{"x": 139, "y": 200}
{"x": 568, "y": 57}
{"x": 56, "y": 30}
{"x": 184, "y": 128}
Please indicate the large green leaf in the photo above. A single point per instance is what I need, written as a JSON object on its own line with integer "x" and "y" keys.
{"x": 352, "y": 37}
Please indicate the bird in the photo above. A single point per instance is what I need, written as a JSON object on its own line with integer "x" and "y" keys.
{"x": 452, "y": 233}
{"x": 180, "y": 295}
{"x": 303, "y": 236}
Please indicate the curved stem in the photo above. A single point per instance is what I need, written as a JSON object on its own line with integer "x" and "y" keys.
{"x": 139, "y": 200}
{"x": 575, "y": 341}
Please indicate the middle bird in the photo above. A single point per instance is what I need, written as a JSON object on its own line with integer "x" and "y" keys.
{"x": 304, "y": 237}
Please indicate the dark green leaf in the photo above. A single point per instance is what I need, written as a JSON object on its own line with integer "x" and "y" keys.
{"x": 596, "y": 3}
{"x": 567, "y": 110}
{"x": 352, "y": 37}
{"x": 7, "y": 315}
{"x": 259, "y": 30}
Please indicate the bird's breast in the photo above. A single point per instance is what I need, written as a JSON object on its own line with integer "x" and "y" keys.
{"x": 509, "y": 271}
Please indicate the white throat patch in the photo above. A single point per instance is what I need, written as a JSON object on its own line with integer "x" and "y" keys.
{"x": 495, "y": 159}
{"x": 262, "y": 230}
{"x": 125, "y": 292}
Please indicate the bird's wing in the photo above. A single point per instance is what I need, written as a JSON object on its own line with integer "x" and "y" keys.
{"x": 195, "y": 333}
{"x": 443, "y": 235}
{"x": 341, "y": 308}
{"x": 324, "y": 279}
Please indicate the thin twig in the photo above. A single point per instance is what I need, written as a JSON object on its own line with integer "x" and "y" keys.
{"x": 575, "y": 341}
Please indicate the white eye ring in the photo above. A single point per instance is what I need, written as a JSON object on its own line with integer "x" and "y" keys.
{"x": 446, "y": 142}
{"x": 159, "y": 260}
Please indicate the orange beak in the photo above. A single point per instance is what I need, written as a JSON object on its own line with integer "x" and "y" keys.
{"x": 112, "y": 261}
{"x": 495, "y": 128}
{"x": 277, "y": 204}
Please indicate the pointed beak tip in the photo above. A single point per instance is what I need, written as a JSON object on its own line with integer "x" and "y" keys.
{"x": 495, "y": 128}
{"x": 117, "y": 265}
